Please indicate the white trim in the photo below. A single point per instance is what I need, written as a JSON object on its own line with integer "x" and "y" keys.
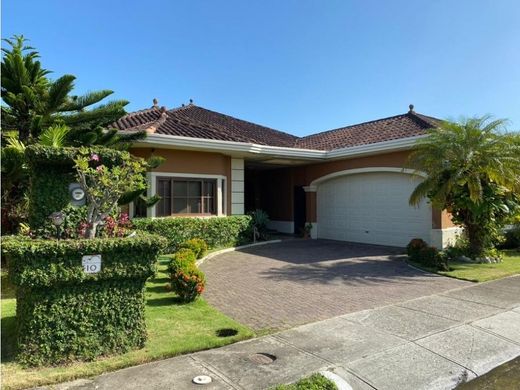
{"x": 442, "y": 238}
{"x": 313, "y": 186}
{"x": 152, "y": 188}
{"x": 281, "y": 226}
{"x": 237, "y": 186}
{"x": 162, "y": 140}
{"x": 310, "y": 188}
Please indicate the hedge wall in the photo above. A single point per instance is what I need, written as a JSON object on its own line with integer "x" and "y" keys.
{"x": 51, "y": 171}
{"x": 216, "y": 231}
{"x": 64, "y": 314}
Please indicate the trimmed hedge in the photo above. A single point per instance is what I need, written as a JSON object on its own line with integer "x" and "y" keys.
{"x": 64, "y": 314}
{"x": 51, "y": 172}
{"x": 215, "y": 231}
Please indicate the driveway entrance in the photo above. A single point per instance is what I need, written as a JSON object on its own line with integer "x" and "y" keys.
{"x": 279, "y": 286}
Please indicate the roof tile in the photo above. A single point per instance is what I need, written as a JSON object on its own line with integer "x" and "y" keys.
{"x": 198, "y": 122}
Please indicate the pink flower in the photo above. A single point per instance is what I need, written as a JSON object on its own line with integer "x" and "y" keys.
{"x": 94, "y": 157}
{"x": 100, "y": 168}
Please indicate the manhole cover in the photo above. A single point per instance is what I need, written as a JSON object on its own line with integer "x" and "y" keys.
{"x": 262, "y": 358}
{"x": 202, "y": 380}
{"x": 227, "y": 332}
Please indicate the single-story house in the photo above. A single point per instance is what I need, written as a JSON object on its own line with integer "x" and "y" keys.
{"x": 350, "y": 183}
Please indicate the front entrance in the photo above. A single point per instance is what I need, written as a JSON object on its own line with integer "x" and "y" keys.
{"x": 299, "y": 210}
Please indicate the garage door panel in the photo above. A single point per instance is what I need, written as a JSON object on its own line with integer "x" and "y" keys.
{"x": 371, "y": 208}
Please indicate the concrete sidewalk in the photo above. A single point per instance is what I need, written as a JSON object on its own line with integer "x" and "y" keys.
{"x": 434, "y": 342}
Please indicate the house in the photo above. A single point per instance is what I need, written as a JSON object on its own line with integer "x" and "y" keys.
{"x": 350, "y": 183}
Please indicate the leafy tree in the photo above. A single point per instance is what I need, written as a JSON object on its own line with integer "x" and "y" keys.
{"x": 36, "y": 109}
{"x": 33, "y": 103}
{"x": 473, "y": 171}
{"x": 104, "y": 186}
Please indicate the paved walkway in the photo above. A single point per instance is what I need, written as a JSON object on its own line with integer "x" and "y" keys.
{"x": 434, "y": 342}
{"x": 279, "y": 286}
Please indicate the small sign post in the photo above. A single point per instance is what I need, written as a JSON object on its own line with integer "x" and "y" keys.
{"x": 91, "y": 264}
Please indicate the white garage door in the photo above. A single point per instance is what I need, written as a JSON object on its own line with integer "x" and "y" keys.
{"x": 372, "y": 208}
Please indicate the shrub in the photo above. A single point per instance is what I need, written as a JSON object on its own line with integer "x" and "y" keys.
{"x": 414, "y": 247}
{"x": 420, "y": 252}
{"x": 51, "y": 171}
{"x": 188, "y": 283}
{"x": 215, "y": 231}
{"x": 64, "y": 314}
{"x": 512, "y": 238}
{"x": 182, "y": 259}
{"x": 197, "y": 245}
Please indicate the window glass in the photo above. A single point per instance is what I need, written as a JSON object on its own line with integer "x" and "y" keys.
{"x": 180, "y": 206}
{"x": 194, "y": 189}
{"x": 190, "y": 196}
{"x": 180, "y": 188}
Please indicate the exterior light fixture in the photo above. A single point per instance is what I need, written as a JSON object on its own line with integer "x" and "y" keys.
{"x": 57, "y": 218}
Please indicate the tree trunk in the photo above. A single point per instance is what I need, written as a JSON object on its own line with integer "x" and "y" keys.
{"x": 91, "y": 232}
{"x": 474, "y": 233}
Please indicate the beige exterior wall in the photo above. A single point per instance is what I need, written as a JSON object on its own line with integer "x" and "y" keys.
{"x": 189, "y": 162}
{"x": 274, "y": 189}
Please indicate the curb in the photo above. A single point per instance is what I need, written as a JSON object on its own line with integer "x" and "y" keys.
{"x": 232, "y": 249}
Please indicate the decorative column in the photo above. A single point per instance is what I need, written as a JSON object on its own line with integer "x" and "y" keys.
{"x": 237, "y": 186}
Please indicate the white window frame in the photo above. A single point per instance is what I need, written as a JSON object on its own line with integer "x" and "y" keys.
{"x": 221, "y": 192}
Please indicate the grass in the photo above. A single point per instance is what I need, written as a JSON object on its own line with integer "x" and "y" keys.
{"x": 510, "y": 265}
{"x": 173, "y": 329}
{"x": 505, "y": 376}
{"x": 314, "y": 382}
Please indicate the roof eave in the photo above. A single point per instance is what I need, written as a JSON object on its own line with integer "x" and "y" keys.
{"x": 231, "y": 147}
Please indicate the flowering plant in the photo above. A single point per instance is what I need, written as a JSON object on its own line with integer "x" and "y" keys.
{"x": 104, "y": 186}
{"x": 188, "y": 283}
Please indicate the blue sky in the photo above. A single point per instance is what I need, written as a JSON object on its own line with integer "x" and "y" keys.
{"x": 298, "y": 66}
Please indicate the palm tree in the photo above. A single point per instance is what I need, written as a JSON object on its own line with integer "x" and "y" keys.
{"x": 473, "y": 171}
{"x": 34, "y": 103}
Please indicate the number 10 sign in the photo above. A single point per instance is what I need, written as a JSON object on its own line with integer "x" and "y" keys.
{"x": 91, "y": 264}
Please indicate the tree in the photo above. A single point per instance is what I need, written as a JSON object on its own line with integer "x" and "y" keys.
{"x": 104, "y": 186}
{"x": 33, "y": 103}
{"x": 473, "y": 172}
{"x": 36, "y": 109}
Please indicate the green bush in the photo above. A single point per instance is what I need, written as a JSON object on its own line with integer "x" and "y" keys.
{"x": 51, "y": 171}
{"x": 512, "y": 238}
{"x": 64, "y": 314}
{"x": 415, "y": 247}
{"x": 197, "y": 245}
{"x": 420, "y": 252}
{"x": 188, "y": 283}
{"x": 215, "y": 231}
{"x": 182, "y": 259}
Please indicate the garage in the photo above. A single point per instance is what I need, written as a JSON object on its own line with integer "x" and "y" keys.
{"x": 371, "y": 208}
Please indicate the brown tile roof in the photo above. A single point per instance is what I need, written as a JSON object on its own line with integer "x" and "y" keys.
{"x": 400, "y": 126}
{"x": 198, "y": 122}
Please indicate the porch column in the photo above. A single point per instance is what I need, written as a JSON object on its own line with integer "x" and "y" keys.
{"x": 310, "y": 209}
{"x": 237, "y": 186}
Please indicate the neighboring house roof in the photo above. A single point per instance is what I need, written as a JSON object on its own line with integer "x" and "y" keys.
{"x": 197, "y": 122}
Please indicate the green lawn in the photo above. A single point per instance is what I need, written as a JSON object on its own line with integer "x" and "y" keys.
{"x": 314, "y": 382}
{"x": 510, "y": 265}
{"x": 173, "y": 329}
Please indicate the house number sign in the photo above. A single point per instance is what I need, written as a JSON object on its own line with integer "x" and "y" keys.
{"x": 91, "y": 264}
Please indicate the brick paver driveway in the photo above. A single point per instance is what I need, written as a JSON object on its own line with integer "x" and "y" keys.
{"x": 281, "y": 285}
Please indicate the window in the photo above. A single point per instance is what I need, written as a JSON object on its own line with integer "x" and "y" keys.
{"x": 186, "y": 196}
